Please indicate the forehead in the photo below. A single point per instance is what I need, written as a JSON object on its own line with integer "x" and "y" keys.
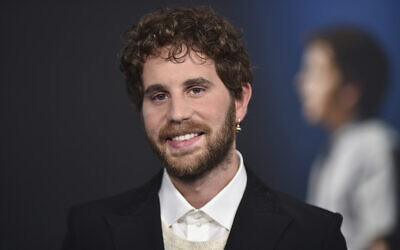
{"x": 162, "y": 70}
{"x": 318, "y": 53}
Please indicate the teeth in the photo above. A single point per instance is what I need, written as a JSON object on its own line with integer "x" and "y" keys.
{"x": 184, "y": 137}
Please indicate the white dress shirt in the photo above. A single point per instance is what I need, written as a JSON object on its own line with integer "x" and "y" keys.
{"x": 209, "y": 222}
{"x": 356, "y": 178}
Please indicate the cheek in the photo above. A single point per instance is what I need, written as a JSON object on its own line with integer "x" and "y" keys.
{"x": 310, "y": 92}
{"x": 151, "y": 122}
{"x": 327, "y": 91}
{"x": 319, "y": 98}
{"x": 317, "y": 89}
{"x": 214, "y": 108}
{"x": 215, "y": 117}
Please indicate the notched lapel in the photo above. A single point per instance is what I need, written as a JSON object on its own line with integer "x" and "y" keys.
{"x": 136, "y": 232}
{"x": 259, "y": 222}
{"x": 139, "y": 226}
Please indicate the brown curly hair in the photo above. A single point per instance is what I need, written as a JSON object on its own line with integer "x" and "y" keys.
{"x": 196, "y": 29}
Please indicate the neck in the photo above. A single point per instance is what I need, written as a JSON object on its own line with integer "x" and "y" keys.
{"x": 200, "y": 191}
{"x": 337, "y": 120}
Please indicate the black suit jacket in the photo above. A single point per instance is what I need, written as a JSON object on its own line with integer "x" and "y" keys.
{"x": 265, "y": 219}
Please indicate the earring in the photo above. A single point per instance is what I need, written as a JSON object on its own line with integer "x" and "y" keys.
{"x": 237, "y": 127}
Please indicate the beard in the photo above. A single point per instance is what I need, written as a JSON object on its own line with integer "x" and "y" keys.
{"x": 215, "y": 152}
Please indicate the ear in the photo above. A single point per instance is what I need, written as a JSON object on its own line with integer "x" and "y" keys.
{"x": 243, "y": 101}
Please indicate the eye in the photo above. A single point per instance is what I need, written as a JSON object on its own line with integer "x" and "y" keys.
{"x": 196, "y": 91}
{"x": 159, "y": 97}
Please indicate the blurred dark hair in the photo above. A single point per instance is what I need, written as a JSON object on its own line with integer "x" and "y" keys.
{"x": 361, "y": 61}
{"x": 197, "y": 30}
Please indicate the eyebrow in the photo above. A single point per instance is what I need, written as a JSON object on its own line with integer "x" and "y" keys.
{"x": 154, "y": 88}
{"x": 197, "y": 81}
{"x": 189, "y": 82}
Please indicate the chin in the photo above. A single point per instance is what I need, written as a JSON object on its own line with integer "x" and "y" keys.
{"x": 186, "y": 172}
{"x": 311, "y": 117}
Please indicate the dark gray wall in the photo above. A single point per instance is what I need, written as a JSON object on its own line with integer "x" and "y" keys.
{"x": 69, "y": 134}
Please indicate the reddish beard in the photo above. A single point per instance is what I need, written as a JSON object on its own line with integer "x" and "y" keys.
{"x": 216, "y": 151}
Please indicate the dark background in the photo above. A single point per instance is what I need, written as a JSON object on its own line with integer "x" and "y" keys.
{"x": 69, "y": 133}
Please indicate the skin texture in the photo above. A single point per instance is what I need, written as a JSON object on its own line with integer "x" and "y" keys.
{"x": 325, "y": 98}
{"x": 188, "y": 97}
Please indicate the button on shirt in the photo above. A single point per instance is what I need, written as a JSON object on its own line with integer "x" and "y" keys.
{"x": 209, "y": 222}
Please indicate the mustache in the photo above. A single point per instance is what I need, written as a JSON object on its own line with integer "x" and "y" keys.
{"x": 172, "y": 129}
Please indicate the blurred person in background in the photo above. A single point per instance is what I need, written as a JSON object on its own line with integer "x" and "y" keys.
{"x": 341, "y": 83}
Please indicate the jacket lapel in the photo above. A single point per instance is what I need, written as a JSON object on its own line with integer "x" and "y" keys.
{"x": 259, "y": 221}
{"x": 139, "y": 227}
{"x": 258, "y": 224}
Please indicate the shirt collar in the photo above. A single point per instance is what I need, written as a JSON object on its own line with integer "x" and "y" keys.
{"x": 222, "y": 208}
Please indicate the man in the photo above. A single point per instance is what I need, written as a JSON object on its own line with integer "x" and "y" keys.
{"x": 342, "y": 81}
{"x": 189, "y": 75}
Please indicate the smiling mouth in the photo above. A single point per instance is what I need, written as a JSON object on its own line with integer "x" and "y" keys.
{"x": 184, "y": 137}
{"x": 184, "y": 142}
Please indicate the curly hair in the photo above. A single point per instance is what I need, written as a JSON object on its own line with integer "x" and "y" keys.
{"x": 181, "y": 31}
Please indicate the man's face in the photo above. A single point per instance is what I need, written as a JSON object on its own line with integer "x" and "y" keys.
{"x": 188, "y": 114}
{"x": 319, "y": 82}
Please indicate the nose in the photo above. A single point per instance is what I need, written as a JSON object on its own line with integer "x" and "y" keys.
{"x": 179, "y": 110}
